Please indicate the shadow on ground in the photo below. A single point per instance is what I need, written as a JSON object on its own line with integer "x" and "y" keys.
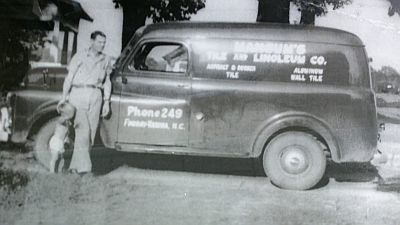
{"x": 105, "y": 161}
{"x": 352, "y": 172}
{"x": 389, "y": 185}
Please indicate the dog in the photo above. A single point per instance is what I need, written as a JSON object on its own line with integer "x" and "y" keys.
{"x": 60, "y": 135}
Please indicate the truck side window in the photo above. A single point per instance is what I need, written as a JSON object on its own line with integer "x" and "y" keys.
{"x": 160, "y": 57}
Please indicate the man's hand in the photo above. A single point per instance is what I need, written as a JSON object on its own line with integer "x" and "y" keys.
{"x": 62, "y": 101}
{"x": 106, "y": 108}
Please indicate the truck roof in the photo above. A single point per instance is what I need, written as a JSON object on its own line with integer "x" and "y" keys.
{"x": 251, "y": 31}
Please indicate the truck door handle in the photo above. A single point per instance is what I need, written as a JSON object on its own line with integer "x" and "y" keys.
{"x": 199, "y": 116}
{"x": 184, "y": 86}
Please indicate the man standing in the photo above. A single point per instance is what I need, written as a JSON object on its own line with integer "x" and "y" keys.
{"x": 88, "y": 88}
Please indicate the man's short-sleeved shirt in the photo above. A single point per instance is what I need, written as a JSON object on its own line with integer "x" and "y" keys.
{"x": 90, "y": 69}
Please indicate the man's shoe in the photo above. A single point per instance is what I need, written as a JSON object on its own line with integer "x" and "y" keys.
{"x": 86, "y": 174}
{"x": 73, "y": 171}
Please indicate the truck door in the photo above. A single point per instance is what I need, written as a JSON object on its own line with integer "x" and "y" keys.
{"x": 155, "y": 92}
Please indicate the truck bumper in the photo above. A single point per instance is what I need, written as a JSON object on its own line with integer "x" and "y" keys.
{"x": 5, "y": 124}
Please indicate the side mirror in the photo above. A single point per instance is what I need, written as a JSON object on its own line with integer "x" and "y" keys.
{"x": 45, "y": 74}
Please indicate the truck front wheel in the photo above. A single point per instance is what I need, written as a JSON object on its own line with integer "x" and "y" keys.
{"x": 294, "y": 160}
{"x": 41, "y": 147}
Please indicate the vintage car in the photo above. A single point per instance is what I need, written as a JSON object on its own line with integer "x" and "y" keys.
{"x": 291, "y": 96}
{"x": 25, "y": 103}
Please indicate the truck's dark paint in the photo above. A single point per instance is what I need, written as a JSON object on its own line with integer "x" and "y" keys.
{"x": 34, "y": 102}
{"x": 222, "y": 117}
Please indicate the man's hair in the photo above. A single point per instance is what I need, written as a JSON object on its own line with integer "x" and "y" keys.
{"x": 96, "y": 33}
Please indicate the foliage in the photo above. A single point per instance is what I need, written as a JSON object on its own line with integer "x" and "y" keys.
{"x": 136, "y": 11}
{"x": 167, "y": 10}
{"x": 273, "y": 11}
{"x": 394, "y": 7}
{"x": 18, "y": 42}
{"x": 384, "y": 76}
{"x": 277, "y": 11}
{"x": 319, "y": 7}
{"x": 15, "y": 48}
{"x": 12, "y": 181}
{"x": 29, "y": 39}
{"x": 170, "y": 10}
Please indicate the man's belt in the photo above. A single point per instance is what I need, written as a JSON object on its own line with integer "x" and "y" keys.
{"x": 86, "y": 86}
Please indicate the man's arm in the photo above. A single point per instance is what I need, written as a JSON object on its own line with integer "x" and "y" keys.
{"x": 72, "y": 69}
{"x": 107, "y": 86}
{"x": 107, "y": 81}
{"x": 67, "y": 86}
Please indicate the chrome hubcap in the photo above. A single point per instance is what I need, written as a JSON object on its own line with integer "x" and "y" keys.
{"x": 294, "y": 160}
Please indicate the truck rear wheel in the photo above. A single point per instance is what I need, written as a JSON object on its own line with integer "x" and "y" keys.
{"x": 294, "y": 160}
{"x": 41, "y": 147}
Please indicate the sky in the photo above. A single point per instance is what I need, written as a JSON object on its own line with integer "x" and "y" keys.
{"x": 369, "y": 20}
{"x": 107, "y": 19}
{"x": 366, "y": 18}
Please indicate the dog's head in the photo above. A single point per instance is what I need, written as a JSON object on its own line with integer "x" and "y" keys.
{"x": 67, "y": 110}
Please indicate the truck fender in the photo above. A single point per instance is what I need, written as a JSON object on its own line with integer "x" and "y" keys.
{"x": 294, "y": 121}
{"x": 41, "y": 115}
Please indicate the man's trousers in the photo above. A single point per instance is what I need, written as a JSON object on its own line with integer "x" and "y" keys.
{"x": 88, "y": 102}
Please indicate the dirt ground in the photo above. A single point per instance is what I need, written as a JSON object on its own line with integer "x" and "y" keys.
{"x": 156, "y": 189}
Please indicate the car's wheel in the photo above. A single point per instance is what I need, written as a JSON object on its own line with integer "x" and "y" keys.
{"x": 41, "y": 146}
{"x": 294, "y": 160}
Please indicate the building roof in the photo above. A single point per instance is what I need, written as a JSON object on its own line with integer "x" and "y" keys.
{"x": 252, "y": 31}
{"x": 28, "y": 13}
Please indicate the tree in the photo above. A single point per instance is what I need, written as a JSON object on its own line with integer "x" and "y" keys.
{"x": 136, "y": 11}
{"x": 278, "y": 10}
{"x": 273, "y": 11}
{"x": 385, "y": 76}
{"x": 394, "y": 7}
{"x": 311, "y": 8}
{"x": 15, "y": 48}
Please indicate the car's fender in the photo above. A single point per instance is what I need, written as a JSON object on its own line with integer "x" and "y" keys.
{"x": 41, "y": 115}
{"x": 294, "y": 121}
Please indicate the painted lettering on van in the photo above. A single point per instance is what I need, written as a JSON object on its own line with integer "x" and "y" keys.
{"x": 278, "y": 58}
{"x": 216, "y": 66}
{"x": 149, "y": 118}
{"x": 303, "y": 78}
{"x": 318, "y": 60}
{"x": 270, "y": 47}
{"x": 235, "y": 69}
{"x": 297, "y": 77}
{"x": 146, "y": 124}
{"x": 240, "y": 57}
{"x": 232, "y": 75}
{"x": 150, "y": 124}
{"x": 315, "y": 78}
{"x": 172, "y": 113}
{"x": 313, "y": 71}
{"x": 217, "y": 56}
{"x": 314, "y": 75}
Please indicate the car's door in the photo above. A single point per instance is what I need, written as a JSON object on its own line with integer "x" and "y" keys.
{"x": 155, "y": 94}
